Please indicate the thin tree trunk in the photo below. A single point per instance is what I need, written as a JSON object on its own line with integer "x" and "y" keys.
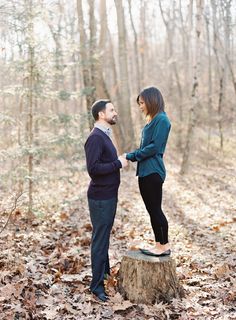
{"x": 88, "y": 88}
{"x": 127, "y": 140}
{"x": 221, "y": 74}
{"x": 185, "y": 41}
{"x": 136, "y": 113}
{"x": 143, "y": 42}
{"x": 136, "y": 51}
{"x": 73, "y": 77}
{"x": 101, "y": 87}
{"x": 97, "y": 50}
{"x": 174, "y": 70}
{"x": 170, "y": 34}
{"x": 229, "y": 71}
{"x": 30, "y": 112}
{"x": 56, "y": 35}
{"x": 219, "y": 110}
{"x": 207, "y": 20}
{"x": 19, "y": 115}
{"x": 92, "y": 45}
{"x": 195, "y": 94}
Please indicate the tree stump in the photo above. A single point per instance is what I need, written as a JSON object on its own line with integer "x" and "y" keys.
{"x": 148, "y": 279}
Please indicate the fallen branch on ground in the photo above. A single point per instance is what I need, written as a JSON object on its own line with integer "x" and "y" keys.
{"x": 12, "y": 210}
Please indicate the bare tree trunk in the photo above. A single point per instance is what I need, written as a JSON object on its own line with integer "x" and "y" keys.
{"x": 97, "y": 50}
{"x": 136, "y": 51}
{"x": 74, "y": 82}
{"x": 19, "y": 115}
{"x": 227, "y": 61}
{"x": 221, "y": 74}
{"x": 191, "y": 35}
{"x": 168, "y": 21}
{"x": 72, "y": 33}
{"x": 170, "y": 27}
{"x": 30, "y": 111}
{"x": 224, "y": 47}
{"x": 227, "y": 19}
{"x": 56, "y": 34}
{"x": 116, "y": 95}
{"x": 127, "y": 139}
{"x": 195, "y": 94}
{"x": 143, "y": 42}
{"x": 92, "y": 44}
{"x": 185, "y": 43}
{"x": 136, "y": 113}
{"x": 207, "y": 20}
{"x": 219, "y": 110}
{"x": 88, "y": 88}
{"x": 101, "y": 87}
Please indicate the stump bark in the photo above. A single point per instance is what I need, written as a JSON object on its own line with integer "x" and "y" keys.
{"x": 147, "y": 279}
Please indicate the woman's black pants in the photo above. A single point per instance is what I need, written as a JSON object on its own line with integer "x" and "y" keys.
{"x": 151, "y": 191}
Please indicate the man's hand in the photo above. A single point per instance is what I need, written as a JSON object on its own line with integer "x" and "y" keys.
{"x": 123, "y": 161}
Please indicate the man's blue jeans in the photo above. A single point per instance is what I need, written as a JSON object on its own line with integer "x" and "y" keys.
{"x": 102, "y": 214}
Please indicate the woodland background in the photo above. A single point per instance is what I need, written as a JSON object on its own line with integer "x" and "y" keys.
{"x": 56, "y": 59}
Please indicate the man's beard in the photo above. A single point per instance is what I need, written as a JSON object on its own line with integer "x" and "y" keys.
{"x": 112, "y": 121}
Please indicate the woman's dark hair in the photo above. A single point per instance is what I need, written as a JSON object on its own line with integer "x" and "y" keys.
{"x": 98, "y": 106}
{"x": 153, "y": 100}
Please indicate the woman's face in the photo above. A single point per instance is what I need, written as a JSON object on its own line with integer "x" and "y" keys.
{"x": 142, "y": 106}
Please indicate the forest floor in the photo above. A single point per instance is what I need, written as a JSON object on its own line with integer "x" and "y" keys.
{"x": 45, "y": 268}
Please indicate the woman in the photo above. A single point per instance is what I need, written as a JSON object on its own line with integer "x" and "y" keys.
{"x": 150, "y": 168}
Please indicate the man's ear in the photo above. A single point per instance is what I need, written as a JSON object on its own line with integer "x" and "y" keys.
{"x": 101, "y": 114}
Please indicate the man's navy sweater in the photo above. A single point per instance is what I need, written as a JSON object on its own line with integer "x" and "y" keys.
{"x": 103, "y": 166}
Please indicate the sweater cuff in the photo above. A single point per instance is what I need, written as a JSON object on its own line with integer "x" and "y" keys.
{"x": 130, "y": 156}
{"x": 118, "y": 164}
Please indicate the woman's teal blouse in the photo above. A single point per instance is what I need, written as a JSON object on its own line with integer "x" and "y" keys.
{"x": 152, "y": 147}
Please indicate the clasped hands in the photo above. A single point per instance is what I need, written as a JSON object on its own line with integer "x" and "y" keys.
{"x": 123, "y": 160}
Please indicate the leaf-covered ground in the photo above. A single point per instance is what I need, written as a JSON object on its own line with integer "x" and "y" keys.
{"x": 45, "y": 268}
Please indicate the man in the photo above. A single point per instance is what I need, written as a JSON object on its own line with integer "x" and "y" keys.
{"x": 103, "y": 167}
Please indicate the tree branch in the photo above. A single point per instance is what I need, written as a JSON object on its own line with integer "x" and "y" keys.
{"x": 12, "y": 210}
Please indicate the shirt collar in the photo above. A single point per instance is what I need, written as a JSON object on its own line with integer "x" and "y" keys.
{"x": 107, "y": 131}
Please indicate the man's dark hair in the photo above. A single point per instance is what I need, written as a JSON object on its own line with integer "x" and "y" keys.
{"x": 98, "y": 106}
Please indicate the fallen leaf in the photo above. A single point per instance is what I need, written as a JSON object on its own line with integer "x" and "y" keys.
{"x": 122, "y": 306}
{"x": 222, "y": 271}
